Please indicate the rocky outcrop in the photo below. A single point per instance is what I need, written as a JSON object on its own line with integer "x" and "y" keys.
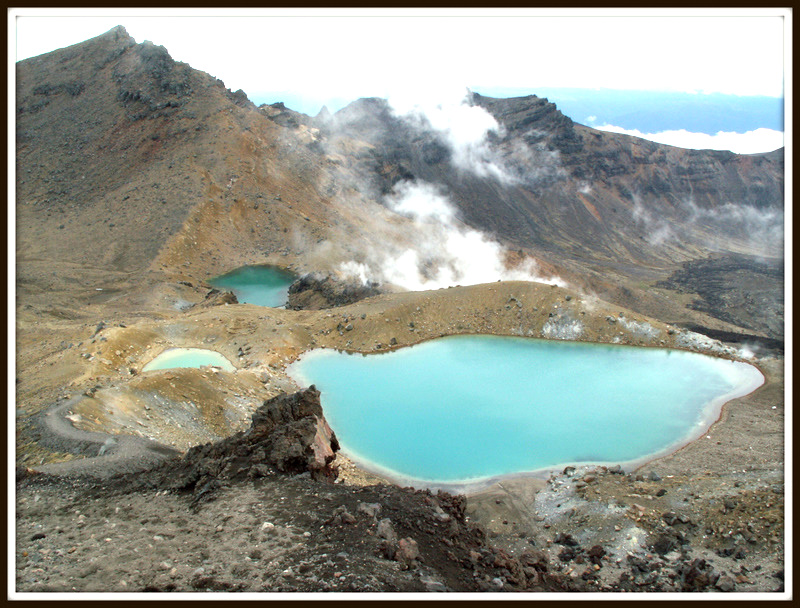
{"x": 313, "y": 292}
{"x": 294, "y": 434}
{"x": 537, "y": 120}
{"x": 150, "y": 82}
{"x": 216, "y": 297}
{"x": 285, "y": 117}
{"x": 288, "y": 434}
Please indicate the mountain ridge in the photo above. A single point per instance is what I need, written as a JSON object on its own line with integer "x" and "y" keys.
{"x": 109, "y": 128}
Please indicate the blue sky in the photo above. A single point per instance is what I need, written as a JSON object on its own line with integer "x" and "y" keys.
{"x": 311, "y": 57}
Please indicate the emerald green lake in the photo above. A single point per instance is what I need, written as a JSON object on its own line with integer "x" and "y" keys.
{"x": 464, "y": 409}
{"x": 261, "y": 285}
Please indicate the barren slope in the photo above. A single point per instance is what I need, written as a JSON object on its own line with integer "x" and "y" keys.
{"x": 128, "y": 160}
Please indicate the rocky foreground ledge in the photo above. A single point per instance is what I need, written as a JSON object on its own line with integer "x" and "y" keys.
{"x": 259, "y": 511}
{"x": 265, "y": 511}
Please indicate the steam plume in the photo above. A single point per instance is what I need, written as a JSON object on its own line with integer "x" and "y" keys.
{"x": 444, "y": 252}
{"x": 464, "y": 127}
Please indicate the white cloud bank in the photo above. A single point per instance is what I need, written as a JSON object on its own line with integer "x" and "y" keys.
{"x": 751, "y": 142}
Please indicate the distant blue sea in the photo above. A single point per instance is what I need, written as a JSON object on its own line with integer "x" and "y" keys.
{"x": 654, "y": 112}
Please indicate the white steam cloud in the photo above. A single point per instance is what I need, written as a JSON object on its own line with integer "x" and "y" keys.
{"x": 751, "y": 142}
{"x": 761, "y": 230}
{"x": 444, "y": 252}
{"x": 658, "y": 230}
{"x": 464, "y": 127}
{"x": 355, "y": 270}
{"x": 422, "y": 202}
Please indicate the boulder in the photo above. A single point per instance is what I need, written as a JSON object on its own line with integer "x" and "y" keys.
{"x": 565, "y": 539}
{"x": 386, "y": 530}
{"x": 664, "y": 544}
{"x": 407, "y": 552}
{"x": 370, "y": 509}
{"x": 596, "y": 554}
{"x": 341, "y": 516}
{"x": 726, "y": 584}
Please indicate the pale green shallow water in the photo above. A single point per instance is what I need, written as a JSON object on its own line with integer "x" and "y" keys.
{"x": 188, "y": 357}
{"x": 468, "y": 408}
{"x": 261, "y": 285}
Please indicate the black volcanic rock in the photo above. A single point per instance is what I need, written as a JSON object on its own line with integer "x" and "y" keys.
{"x": 743, "y": 290}
{"x": 217, "y": 297}
{"x": 535, "y": 119}
{"x": 312, "y": 292}
{"x": 150, "y": 81}
{"x": 288, "y": 433}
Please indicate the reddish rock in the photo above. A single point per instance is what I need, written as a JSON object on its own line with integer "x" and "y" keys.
{"x": 407, "y": 552}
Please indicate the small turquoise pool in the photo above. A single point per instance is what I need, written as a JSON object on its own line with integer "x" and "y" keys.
{"x": 463, "y": 409}
{"x": 261, "y": 285}
{"x": 188, "y": 357}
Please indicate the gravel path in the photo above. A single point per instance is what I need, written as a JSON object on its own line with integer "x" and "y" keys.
{"x": 106, "y": 455}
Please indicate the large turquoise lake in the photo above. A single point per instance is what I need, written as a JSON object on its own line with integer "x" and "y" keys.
{"x": 462, "y": 409}
{"x": 261, "y": 285}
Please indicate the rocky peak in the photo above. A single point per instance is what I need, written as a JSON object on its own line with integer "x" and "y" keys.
{"x": 367, "y": 116}
{"x": 117, "y": 34}
{"x": 324, "y": 115}
{"x": 239, "y": 97}
{"x": 537, "y": 120}
{"x": 117, "y": 38}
